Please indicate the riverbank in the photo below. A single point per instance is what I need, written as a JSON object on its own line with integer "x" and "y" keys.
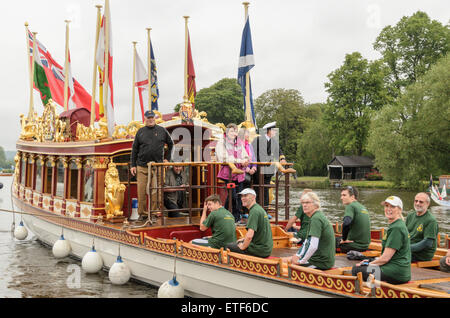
{"x": 324, "y": 183}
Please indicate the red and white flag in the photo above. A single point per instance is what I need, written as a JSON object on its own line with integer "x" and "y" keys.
{"x": 101, "y": 58}
{"x": 55, "y": 76}
{"x": 70, "y": 102}
{"x": 141, "y": 82}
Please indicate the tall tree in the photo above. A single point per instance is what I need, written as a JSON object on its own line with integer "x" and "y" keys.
{"x": 314, "y": 149}
{"x": 287, "y": 108}
{"x": 411, "y": 47}
{"x": 356, "y": 89}
{"x": 222, "y": 102}
{"x": 411, "y": 138}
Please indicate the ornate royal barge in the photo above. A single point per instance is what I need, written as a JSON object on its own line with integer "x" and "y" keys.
{"x": 71, "y": 178}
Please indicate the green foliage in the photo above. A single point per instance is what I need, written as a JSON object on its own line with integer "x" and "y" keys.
{"x": 356, "y": 90}
{"x": 411, "y": 47}
{"x": 314, "y": 150}
{"x": 223, "y": 102}
{"x": 411, "y": 138}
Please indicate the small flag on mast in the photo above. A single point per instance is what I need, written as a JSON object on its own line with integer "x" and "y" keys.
{"x": 101, "y": 62}
{"x": 154, "y": 79}
{"x": 246, "y": 63}
{"x": 192, "y": 90}
{"x": 141, "y": 82}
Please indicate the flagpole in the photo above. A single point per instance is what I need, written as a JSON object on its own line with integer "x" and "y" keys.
{"x": 185, "y": 97}
{"x": 30, "y": 69}
{"x": 134, "y": 81}
{"x": 149, "y": 70}
{"x": 106, "y": 73}
{"x": 94, "y": 76}
{"x": 66, "y": 69}
{"x": 31, "y": 111}
{"x": 248, "y": 111}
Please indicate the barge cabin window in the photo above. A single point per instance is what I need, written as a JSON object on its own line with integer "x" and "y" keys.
{"x": 48, "y": 174}
{"x": 73, "y": 181}
{"x": 60, "y": 179}
{"x": 29, "y": 178}
{"x": 23, "y": 171}
{"x": 88, "y": 183}
{"x": 38, "y": 184}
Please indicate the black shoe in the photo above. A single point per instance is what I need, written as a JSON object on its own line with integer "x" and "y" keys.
{"x": 174, "y": 214}
{"x": 142, "y": 218}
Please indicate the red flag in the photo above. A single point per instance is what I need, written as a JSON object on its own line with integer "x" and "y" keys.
{"x": 192, "y": 91}
{"x": 55, "y": 77}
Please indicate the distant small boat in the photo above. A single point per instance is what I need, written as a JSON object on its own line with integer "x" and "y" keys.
{"x": 439, "y": 197}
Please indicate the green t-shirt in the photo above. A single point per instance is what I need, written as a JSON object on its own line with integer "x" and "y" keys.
{"x": 421, "y": 227}
{"x": 262, "y": 243}
{"x": 221, "y": 222}
{"x": 321, "y": 228}
{"x": 304, "y": 223}
{"x": 360, "y": 227}
{"x": 397, "y": 237}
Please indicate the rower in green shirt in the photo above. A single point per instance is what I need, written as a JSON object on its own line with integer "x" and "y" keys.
{"x": 423, "y": 229}
{"x": 258, "y": 239}
{"x": 394, "y": 264}
{"x": 318, "y": 251}
{"x": 302, "y": 231}
{"x": 356, "y": 223}
{"x": 221, "y": 222}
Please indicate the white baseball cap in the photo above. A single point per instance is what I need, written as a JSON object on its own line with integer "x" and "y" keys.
{"x": 248, "y": 191}
{"x": 394, "y": 201}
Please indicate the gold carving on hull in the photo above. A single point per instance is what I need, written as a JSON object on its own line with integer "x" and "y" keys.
{"x": 114, "y": 192}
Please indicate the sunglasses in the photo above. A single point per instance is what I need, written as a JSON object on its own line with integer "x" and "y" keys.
{"x": 419, "y": 201}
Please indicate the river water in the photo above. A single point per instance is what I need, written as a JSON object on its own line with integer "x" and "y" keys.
{"x": 28, "y": 268}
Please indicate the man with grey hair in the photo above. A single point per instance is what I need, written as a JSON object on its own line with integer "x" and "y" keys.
{"x": 423, "y": 229}
{"x": 318, "y": 251}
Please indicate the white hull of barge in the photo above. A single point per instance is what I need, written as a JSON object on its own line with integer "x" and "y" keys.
{"x": 197, "y": 279}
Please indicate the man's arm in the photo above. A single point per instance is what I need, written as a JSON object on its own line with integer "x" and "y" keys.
{"x": 346, "y": 227}
{"x": 203, "y": 218}
{"x": 422, "y": 245}
{"x": 247, "y": 239}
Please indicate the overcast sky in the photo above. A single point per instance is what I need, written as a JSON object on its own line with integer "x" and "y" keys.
{"x": 296, "y": 44}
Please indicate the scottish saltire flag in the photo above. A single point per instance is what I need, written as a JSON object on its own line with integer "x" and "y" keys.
{"x": 154, "y": 80}
{"x": 246, "y": 63}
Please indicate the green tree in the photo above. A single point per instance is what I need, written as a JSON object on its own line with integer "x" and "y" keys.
{"x": 411, "y": 47}
{"x": 3, "y": 162}
{"x": 287, "y": 108}
{"x": 411, "y": 138}
{"x": 223, "y": 102}
{"x": 314, "y": 150}
{"x": 356, "y": 90}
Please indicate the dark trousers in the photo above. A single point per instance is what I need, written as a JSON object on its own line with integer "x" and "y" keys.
{"x": 172, "y": 206}
{"x": 346, "y": 247}
{"x": 266, "y": 179}
{"x": 235, "y": 200}
{"x": 233, "y": 247}
{"x": 367, "y": 270}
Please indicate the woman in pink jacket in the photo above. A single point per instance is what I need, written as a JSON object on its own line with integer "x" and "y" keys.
{"x": 231, "y": 150}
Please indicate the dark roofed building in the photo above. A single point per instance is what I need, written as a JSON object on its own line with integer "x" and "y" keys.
{"x": 349, "y": 167}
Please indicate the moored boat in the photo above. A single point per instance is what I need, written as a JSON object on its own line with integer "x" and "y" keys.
{"x": 63, "y": 187}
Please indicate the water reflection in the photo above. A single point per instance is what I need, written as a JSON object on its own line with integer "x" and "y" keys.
{"x": 28, "y": 268}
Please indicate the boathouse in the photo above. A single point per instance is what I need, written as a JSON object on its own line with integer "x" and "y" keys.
{"x": 349, "y": 167}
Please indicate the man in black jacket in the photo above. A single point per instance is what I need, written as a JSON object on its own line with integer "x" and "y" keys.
{"x": 148, "y": 146}
{"x": 267, "y": 149}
